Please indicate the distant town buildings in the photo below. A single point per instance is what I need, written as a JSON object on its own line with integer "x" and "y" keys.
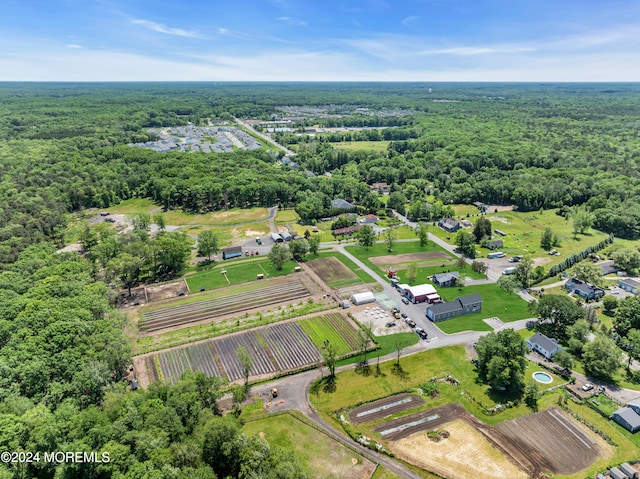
{"x": 211, "y": 139}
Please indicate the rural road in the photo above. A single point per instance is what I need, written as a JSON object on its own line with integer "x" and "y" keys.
{"x": 265, "y": 137}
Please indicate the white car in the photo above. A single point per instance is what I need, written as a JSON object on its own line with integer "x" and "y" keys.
{"x": 587, "y": 387}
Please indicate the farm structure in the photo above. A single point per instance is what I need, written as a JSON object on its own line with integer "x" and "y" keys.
{"x": 277, "y": 238}
{"x": 273, "y": 348}
{"x": 362, "y": 298}
{"x": 420, "y": 293}
{"x": 628, "y": 470}
{"x": 232, "y": 252}
{"x": 616, "y": 473}
{"x": 630, "y": 285}
{"x": 471, "y": 303}
{"x": 211, "y": 308}
{"x": 446, "y": 279}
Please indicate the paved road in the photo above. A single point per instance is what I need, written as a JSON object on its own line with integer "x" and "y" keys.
{"x": 265, "y": 137}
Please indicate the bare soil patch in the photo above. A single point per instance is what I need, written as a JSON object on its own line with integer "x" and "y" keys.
{"x": 166, "y": 290}
{"x": 409, "y": 258}
{"x": 548, "y": 441}
{"x": 384, "y": 407}
{"x": 330, "y": 269}
{"x": 466, "y": 453}
{"x": 561, "y": 444}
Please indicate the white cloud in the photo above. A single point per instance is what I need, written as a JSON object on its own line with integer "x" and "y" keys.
{"x": 292, "y": 21}
{"x": 222, "y": 31}
{"x": 161, "y": 28}
{"x": 476, "y": 50}
{"x": 73, "y": 45}
{"x": 409, "y": 20}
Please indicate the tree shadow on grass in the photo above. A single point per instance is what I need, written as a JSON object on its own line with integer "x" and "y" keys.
{"x": 398, "y": 370}
{"x": 363, "y": 369}
{"x": 327, "y": 384}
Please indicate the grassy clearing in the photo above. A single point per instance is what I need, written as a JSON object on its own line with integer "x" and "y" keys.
{"x": 386, "y": 345}
{"x": 605, "y": 404}
{"x": 495, "y": 302}
{"x": 352, "y": 387}
{"x": 426, "y": 269}
{"x": 321, "y": 456}
{"x": 380, "y": 146}
{"x": 238, "y": 272}
{"x": 382, "y": 473}
{"x": 524, "y": 231}
{"x": 285, "y": 217}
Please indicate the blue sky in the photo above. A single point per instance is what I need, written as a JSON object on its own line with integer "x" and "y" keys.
{"x": 311, "y": 40}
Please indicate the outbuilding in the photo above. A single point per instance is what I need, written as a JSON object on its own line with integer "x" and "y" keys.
{"x": 276, "y": 238}
{"x": 471, "y": 303}
{"x": 362, "y": 298}
{"x": 232, "y": 252}
{"x": 630, "y": 285}
{"x": 628, "y": 470}
{"x": 616, "y": 473}
{"x": 446, "y": 279}
{"x": 628, "y": 418}
{"x": 286, "y": 236}
{"x": 420, "y": 293}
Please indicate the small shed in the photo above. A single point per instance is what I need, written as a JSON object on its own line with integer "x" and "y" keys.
{"x": 616, "y": 473}
{"x": 362, "y": 298}
{"x": 601, "y": 476}
{"x": 628, "y": 470}
{"x": 286, "y": 236}
{"x": 276, "y": 238}
{"x": 495, "y": 244}
{"x": 232, "y": 252}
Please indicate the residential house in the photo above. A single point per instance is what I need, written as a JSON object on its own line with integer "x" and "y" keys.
{"x": 449, "y": 224}
{"x": 544, "y": 345}
{"x": 630, "y": 285}
{"x": 463, "y": 305}
{"x": 582, "y": 289}
{"x": 608, "y": 266}
{"x": 446, "y": 279}
{"x": 629, "y": 416}
{"x": 340, "y": 204}
{"x": 380, "y": 188}
{"x": 368, "y": 219}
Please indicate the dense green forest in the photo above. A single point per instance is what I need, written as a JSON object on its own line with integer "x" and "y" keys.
{"x": 64, "y": 147}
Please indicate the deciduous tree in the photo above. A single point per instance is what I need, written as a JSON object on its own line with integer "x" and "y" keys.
{"x": 601, "y": 357}
{"x": 465, "y": 242}
{"x": 278, "y": 255}
{"x": 556, "y": 314}
{"x": 366, "y": 236}
{"x": 207, "y": 243}
{"x": 501, "y": 360}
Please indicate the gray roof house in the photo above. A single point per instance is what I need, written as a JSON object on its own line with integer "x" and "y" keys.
{"x": 340, "y": 204}
{"x": 582, "y": 289}
{"x": 471, "y": 303}
{"x": 608, "y": 266}
{"x": 629, "y": 416}
{"x": 544, "y": 345}
{"x": 629, "y": 284}
{"x": 449, "y": 224}
{"x": 495, "y": 244}
{"x": 446, "y": 279}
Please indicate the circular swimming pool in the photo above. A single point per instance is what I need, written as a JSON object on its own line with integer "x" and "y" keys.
{"x": 543, "y": 378}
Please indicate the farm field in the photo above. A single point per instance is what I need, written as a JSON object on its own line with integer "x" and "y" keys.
{"x": 237, "y": 272}
{"x": 332, "y": 275}
{"x": 273, "y": 348}
{"x": 385, "y": 407}
{"x": 333, "y": 328}
{"x": 205, "y": 309}
{"x": 333, "y": 272}
{"x": 495, "y": 302}
{"x": 323, "y": 457}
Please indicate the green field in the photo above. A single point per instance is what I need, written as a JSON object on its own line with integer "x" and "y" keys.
{"x": 333, "y": 328}
{"x": 495, "y": 302}
{"x": 361, "y": 145}
{"x": 386, "y": 345}
{"x": 238, "y": 272}
{"x": 321, "y": 456}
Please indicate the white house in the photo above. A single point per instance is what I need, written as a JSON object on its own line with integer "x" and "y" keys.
{"x": 548, "y": 347}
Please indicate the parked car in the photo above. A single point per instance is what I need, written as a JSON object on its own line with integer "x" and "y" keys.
{"x": 258, "y": 240}
{"x": 553, "y": 251}
{"x": 404, "y": 315}
{"x": 405, "y": 301}
{"x": 410, "y": 322}
{"x": 390, "y": 325}
{"x": 587, "y": 387}
{"x": 422, "y": 333}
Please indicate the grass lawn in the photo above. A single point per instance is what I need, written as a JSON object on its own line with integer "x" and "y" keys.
{"x": 238, "y": 272}
{"x": 387, "y": 345}
{"x": 380, "y": 146}
{"x": 605, "y": 404}
{"x": 427, "y": 269}
{"x": 285, "y": 217}
{"x": 321, "y": 456}
{"x": 495, "y": 302}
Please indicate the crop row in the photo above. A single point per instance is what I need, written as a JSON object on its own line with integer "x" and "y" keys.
{"x": 233, "y": 304}
{"x": 278, "y": 347}
{"x": 320, "y": 329}
{"x": 347, "y": 332}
